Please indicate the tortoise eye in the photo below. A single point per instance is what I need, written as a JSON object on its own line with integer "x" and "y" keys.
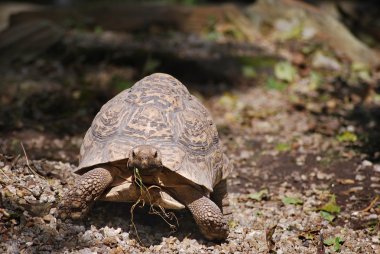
{"x": 155, "y": 154}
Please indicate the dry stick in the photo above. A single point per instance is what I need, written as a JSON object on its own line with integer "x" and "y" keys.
{"x": 152, "y": 210}
{"x": 138, "y": 181}
{"x": 14, "y": 161}
{"x": 144, "y": 190}
{"x": 13, "y": 182}
{"x": 372, "y": 204}
{"x": 27, "y": 162}
{"x": 163, "y": 214}
{"x": 169, "y": 215}
{"x": 269, "y": 238}
{"x": 321, "y": 246}
{"x": 5, "y": 174}
{"x": 132, "y": 218}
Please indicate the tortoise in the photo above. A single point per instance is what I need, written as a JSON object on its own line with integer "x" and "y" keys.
{"x": 159, "y": 130}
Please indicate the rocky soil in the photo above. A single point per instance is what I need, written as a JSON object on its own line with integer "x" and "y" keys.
{"x": 301, "y": 125}
{"x": 307, "y": 167}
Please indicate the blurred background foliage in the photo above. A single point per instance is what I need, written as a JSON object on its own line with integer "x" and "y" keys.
{"x": 61, "y": 60}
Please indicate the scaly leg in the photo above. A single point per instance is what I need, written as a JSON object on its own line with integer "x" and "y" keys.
{"x": 77, "y": 201}
{"x": 206, "y": 213}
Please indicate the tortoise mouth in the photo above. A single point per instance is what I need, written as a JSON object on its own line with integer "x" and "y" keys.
{"x": 146, "y": 177}
{"x": 144, "y": 167}
{"x": 148, "y": 171}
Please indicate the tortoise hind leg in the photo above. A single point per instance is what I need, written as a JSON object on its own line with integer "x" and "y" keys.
{"x": 220, "y": 197}
{"x": 77, "y": 201}
{"x": 206, "y": 213}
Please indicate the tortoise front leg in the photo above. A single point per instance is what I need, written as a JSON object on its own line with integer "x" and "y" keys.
{"x": 206, "y": 213}
{"x": 77, "y": 201}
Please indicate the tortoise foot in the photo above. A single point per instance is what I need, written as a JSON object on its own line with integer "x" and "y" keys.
{"x": 77, "y": 201}
{"x": 210, "y": 219}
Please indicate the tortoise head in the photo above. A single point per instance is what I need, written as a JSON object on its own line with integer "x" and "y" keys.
{"x": 145, "y": 157}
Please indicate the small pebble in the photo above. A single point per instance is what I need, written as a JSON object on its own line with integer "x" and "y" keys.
{"x": 359, "y": 177}
{"x": 366, "y": 163}
{"x": 372, "y": 216}
{"x": 48, "y": 217}
{"x": 376, "y": 168}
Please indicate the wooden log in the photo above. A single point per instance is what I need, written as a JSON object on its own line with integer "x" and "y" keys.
{"x": 120, "y": 40}
{"x": 145, "y": 17}
{"x": 329, "y": 30}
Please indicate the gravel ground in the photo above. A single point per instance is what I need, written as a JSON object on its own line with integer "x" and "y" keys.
{"x": 297, "y": 229}
{"x": 301, "y": 129}
{"x": 30, "y": 190}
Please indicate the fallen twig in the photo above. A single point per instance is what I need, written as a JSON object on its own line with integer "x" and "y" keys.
{"x": 12, "y": 182}
{"x": 145, "y": 192}
{"x": 371, "y": 205}
{"x": 5, "y": 175}
{"x": 132, "y": 217}
{"x": 269, "y": 238}
{"x": 27, "y": 163}
{"x": 321, "y": 246}
{"x": 15, "y": 160}
{"x": 164, "y": 215}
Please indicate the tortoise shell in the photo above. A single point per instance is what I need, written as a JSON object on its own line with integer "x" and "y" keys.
{"x": 159, "y": 111}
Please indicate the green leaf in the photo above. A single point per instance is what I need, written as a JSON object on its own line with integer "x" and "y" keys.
{"x": 213, "y": 36}
{"x": 327, "y": 216}
{"x": 259, "y": 195}
{"x": 306, "y": 235}
{"x": 315, "y": 80}
{"x": 347, "y": 136}
{"x": 335, "y": 241}
{"x": 338, "y": 243}
{"x": 282, "y": 147}
{"x": 228, "y": 100}
{"x": 362, "y": 71}
{"x": 356, "y": 66}
{"x": 289, "y": 29}
{"x": 258, "y": 62}
{"x": 151, "y": 65}
{"x": 291, "y": 201}
{"x": 329, "y": 241}
{"x": 98, "y": 30}
{"x": 275, "y": 85}
{"x": 121, "y": 84}
{"x": 331, "y": 206}
{"x": 284, "y": 71}
{"x": 376, "y": 97}
{"x": 249, "y": 72}
{"x": 232, "y": 224}
{"x": 309, "y": 236}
